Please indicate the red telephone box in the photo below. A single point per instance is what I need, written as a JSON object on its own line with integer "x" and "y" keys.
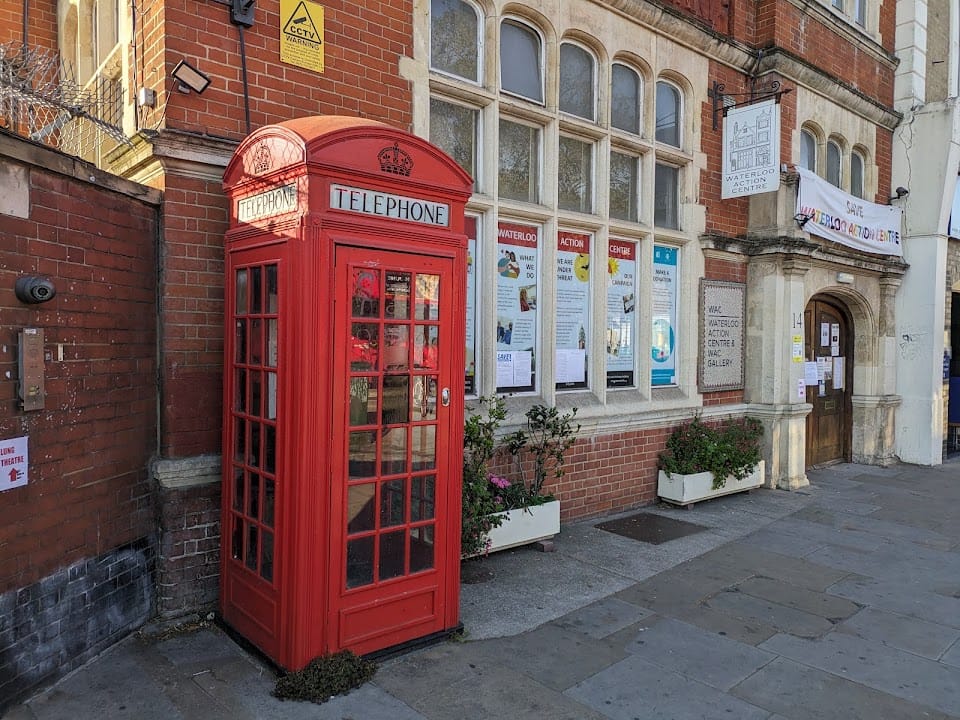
{"x": 343, "y": 388}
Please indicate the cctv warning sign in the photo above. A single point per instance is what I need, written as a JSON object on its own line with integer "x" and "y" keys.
{"x": 301, "y": 34}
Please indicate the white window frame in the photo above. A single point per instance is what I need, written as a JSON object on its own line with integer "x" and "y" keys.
{"x": 479, "y": 46}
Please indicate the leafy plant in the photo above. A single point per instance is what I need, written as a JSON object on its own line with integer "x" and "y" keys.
{"x": 479, "y": 496}
{"x": 547, "y": 438}
{"x": 728, "y": 448}
{"x": 325, "y": 677}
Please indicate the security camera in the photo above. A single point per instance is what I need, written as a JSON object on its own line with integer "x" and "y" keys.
{"x": 32, "y": 289}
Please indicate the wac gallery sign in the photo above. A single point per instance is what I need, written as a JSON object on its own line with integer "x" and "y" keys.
{"x": 848, "y": 220}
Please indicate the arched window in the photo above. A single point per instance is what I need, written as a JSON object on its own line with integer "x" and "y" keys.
{"x": 668, "y": 114}
{"x": 834, "y": 156}
{"x": 625, "y": 99}
{"x": 455, "y": 39}
{"x": 856, "y": 174}
{"x": 521, "y": 61}
{"x": 808, "y": 151}
{"x": 578, "y": 80}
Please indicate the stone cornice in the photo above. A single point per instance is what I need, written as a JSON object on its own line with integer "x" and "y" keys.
{"x": 173, "y": 151}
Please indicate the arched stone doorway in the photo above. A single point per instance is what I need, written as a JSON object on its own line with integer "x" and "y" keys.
{"x": 829, "y": 343}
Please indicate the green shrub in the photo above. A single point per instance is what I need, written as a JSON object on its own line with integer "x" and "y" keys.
{"x": 728, "y": 448}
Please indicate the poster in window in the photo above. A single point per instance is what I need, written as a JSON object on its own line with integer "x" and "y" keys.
{"x": 664, "y": 297}
{"x": 621, "y": 313}
{"x": 470, "y": 373}
{"x": 573, "y": 309}
{"x": 517, "y": 300}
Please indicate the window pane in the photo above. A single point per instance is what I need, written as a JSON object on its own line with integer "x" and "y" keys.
{"x": 520, "y": 61}
{"x": 621, "y": 312}
{"x": 625, "y": 99}
{"x": 833, "y": 164}
{"x": 519, "y": 161}
{"x": 808, "y": 151}
{"x": 575, "y": 175}
{"x": 856, "y": 175}
{"x": 624, "y": 186}
{"x": 668, "y": 114}
{"x": 665, "y": 205}
{"x": 453, "y": 128}
{"x": 454, "y": 39}
{"x": 860, "y": 11}
{"x": 664, "y": 345}
{"x": 576, "y": 81}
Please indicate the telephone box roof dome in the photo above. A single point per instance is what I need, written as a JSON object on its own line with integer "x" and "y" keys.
{"x": 341, "y": 143}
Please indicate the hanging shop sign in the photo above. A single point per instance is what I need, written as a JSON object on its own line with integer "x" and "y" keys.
{"x": 301, "y": 34}
{"x": 751, "y": 149}
{"x": 722, "y": 321}
{"x": 848, "y": 220}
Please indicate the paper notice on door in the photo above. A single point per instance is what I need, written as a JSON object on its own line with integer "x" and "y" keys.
{"x": 571, "y": 366}
{"x": 824, "y": 334}
{"x": 810, "y": 376}
{"x": 838, "y": 373}
{"x": 822, "y": 368}
{"x": 835, "y": 339}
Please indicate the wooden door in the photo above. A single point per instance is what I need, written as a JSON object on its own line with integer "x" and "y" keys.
{"x": 828, "y": 343}
{"x": 392, "y": 536}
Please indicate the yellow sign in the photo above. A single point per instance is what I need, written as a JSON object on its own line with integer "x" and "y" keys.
{"x": 301, "y": 34}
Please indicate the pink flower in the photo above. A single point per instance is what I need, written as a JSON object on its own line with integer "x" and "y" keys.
{"x": 500, "y": 482}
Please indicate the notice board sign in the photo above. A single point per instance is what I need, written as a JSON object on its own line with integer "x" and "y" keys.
{"x": 13, "y": 463}
{"x": 722, "y": 321}
{"x": 301, "y": 34}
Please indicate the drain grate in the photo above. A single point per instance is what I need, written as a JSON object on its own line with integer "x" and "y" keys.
{"x": 650, "y": 528}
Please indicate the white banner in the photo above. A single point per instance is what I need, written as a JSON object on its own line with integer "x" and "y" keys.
{"x": 846, "y": 219}
{"x": 751, "y": 149}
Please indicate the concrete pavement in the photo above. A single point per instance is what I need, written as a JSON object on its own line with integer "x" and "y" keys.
{"x": 838, "y": 601}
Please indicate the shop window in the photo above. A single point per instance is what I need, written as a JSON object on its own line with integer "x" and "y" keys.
{"x": 521, "y": 61}
{"x": 471, "y": 228}
{"x": 666, "y": 206}
{"x": 519, "y": 174}
{"x": 575, "y": 175}
{"x": 664, "y": 303}
{"x": 577, "y": 82}
{"x": 856, "y": 175}
{"x": 624, "y": 186}
{"x": 808, "y": 151}
{"x": 669, "y": 113}
{"x": 455, "y": 39}
{"x": 625, "y": 97}
{"x": 573, "y": 311}
{"x": 621, "y": 313}
{"x": 455, "y": 129}
{"x": 833, "y": 163}
{"x": 518, "y": 328}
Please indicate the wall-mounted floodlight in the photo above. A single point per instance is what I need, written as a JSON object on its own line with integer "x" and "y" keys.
{"x": 901, "y": 193}
{"x": 190, "y": 78}
{"x": 802, "y": 219}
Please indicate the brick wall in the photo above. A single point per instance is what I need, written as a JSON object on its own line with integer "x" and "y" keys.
{"x": 89, "y": 494}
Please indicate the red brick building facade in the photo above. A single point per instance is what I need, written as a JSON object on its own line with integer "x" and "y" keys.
{"x": 149, "y": 390}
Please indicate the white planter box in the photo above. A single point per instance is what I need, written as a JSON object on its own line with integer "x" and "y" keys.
{"x": 686, "y": 489}
{"x": 526, "y": 525}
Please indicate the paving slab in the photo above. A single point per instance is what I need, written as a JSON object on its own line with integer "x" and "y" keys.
{"x": 756, "y": 561}
{"x": 698, "y": 654}
{"x": 544, "y": 654}
{"x": 745, "y": 630}
{"x": 805, "y": 693}
{"x": 783, "y": 542}
{"x": 634, "y": 688}
{"x": 821, "y": 604}
{"x": 886, "y": 669}
{"x": 900, "y": 598}
{"x": 917, "y": 636}
{"x": 783, "y": 618}
{"x": 602, "y": 618}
